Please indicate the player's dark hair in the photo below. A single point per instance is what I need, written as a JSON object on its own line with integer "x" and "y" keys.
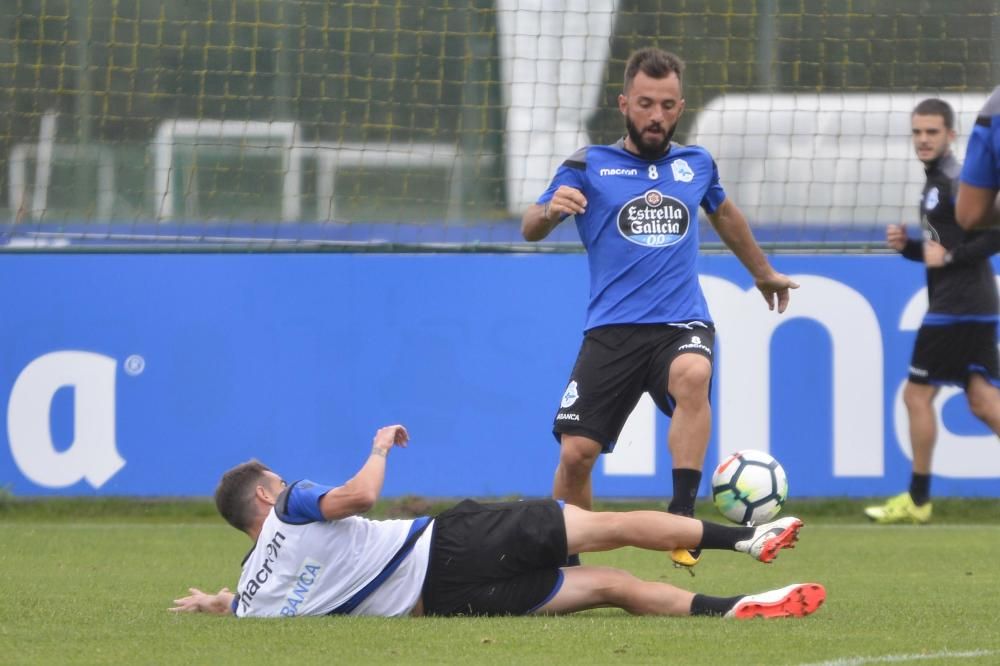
{"x": 654, "y": 63}
{"x": 936, "y": 107}
{"x": 234, "y": 494}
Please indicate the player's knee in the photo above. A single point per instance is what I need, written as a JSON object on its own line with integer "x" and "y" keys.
{"x": 578, "y": 454}
{"x": 917, "y": 397}
{"x": 621, "y": 588}
{"x": 690, "y": 379}
{"x": 984, "y": 401}
{"x": 978, "y": 408}
{"x": 613, "y": 585}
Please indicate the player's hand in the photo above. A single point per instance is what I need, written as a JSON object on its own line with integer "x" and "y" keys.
{"x": 202, "y": 602}
{"x": 895, "y": 237}
{"x": 775, "y": 288}
{"x": 566, "y": 201}
{"x": 389, "y": 436}
{"x": 934, "y": 254}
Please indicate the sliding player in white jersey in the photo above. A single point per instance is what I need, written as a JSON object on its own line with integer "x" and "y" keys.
{"x": 315, "y": 555}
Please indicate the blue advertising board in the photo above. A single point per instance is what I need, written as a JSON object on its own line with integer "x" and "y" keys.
{"x": 150, "y": 374}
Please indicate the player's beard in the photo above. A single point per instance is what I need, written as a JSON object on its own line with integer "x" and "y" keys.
{"x": 647, "y": 150}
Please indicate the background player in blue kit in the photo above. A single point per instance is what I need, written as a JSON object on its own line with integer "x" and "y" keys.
{"x": 648, "y": 328}
{"x": 956, "y": 343}
{"x": 980, "y": 181}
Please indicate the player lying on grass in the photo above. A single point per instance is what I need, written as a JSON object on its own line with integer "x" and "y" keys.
{"x": 315, "y": 555}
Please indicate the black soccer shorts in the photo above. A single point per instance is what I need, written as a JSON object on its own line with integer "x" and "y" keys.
{"x": 616, "y": 364}
{"x": 495, "y": 559}
{"x": 949, "y": 354}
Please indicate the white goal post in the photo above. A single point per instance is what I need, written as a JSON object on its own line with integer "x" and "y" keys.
{"x": 256, "y": 133}
{"x": 32, "y": 200}
{"x": 332, "y": 156}
{"x": 286, "y": 137}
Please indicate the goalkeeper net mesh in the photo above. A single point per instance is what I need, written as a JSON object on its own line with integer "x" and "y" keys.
{"x": 434, "y": 123}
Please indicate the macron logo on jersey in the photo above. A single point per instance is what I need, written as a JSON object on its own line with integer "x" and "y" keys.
{"x": 619, "y": 172}
{"x": 272, "y": 550}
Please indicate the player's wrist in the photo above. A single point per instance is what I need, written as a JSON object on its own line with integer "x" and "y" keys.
{"x": 379, "y": 451}
{"x": 763, "y": 276}
{"x": 547, "y": 211}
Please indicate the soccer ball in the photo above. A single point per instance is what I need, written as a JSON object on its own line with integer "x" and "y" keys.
{"x": 749, "y": 487}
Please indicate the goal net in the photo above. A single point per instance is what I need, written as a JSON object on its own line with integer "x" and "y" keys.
{"x": 433, "y": 124}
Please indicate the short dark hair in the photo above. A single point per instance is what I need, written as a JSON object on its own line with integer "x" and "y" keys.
{"x": 234, "y": 494}
{"x": 936, "y": 107}
{"x": 652, "y": 62}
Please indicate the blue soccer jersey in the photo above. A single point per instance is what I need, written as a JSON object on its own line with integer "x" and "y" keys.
{"x": 982, "y": 157}
{"x": 641, "y": 230}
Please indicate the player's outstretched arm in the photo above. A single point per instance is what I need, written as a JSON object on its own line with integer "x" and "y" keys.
{"x": 220, "y": 603}
{"x": 731, "y": 225}
{"x": 539, "y": 221}
{"x": 360, "y": 492}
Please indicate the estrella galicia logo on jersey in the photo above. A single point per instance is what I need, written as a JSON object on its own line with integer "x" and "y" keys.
{"x": 654, "y": 220}
{"x": 570, "y": 396}
{"x": 682, "y": 171}
{"x": 932, "y": 199}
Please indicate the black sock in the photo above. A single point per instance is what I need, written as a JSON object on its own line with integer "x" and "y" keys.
{"x": 686, "y": 482}
{"x": 723, "y": 537}
{"x": 702, "y": 604}
{"x": 920, "y": 488}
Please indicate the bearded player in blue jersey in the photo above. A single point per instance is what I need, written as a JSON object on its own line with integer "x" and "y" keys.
{"x": 648, "y": 328}
{"x": 976, "y": 204}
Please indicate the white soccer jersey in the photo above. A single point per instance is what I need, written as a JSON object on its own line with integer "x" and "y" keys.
{"x": 305, "y": 565}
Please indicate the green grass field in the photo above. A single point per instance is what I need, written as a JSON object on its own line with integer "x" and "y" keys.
{"x": 90, "y": 582}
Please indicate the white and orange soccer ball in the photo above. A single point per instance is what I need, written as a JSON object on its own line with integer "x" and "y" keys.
{"x": 749, "y": 487}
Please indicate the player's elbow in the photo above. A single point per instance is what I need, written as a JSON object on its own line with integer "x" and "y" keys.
{"x": 526, "y": 231}
{"x": 965, "y": 215}
{"x": 529, "y": 230}
{"x": 530, "y": 235}
{"x": 534, "y": 225}
{"x": 965, "y": 221}
{"x": 975, "y": 206}
{"x": 365, "y": 500}
{"x": 971, "y": 219}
